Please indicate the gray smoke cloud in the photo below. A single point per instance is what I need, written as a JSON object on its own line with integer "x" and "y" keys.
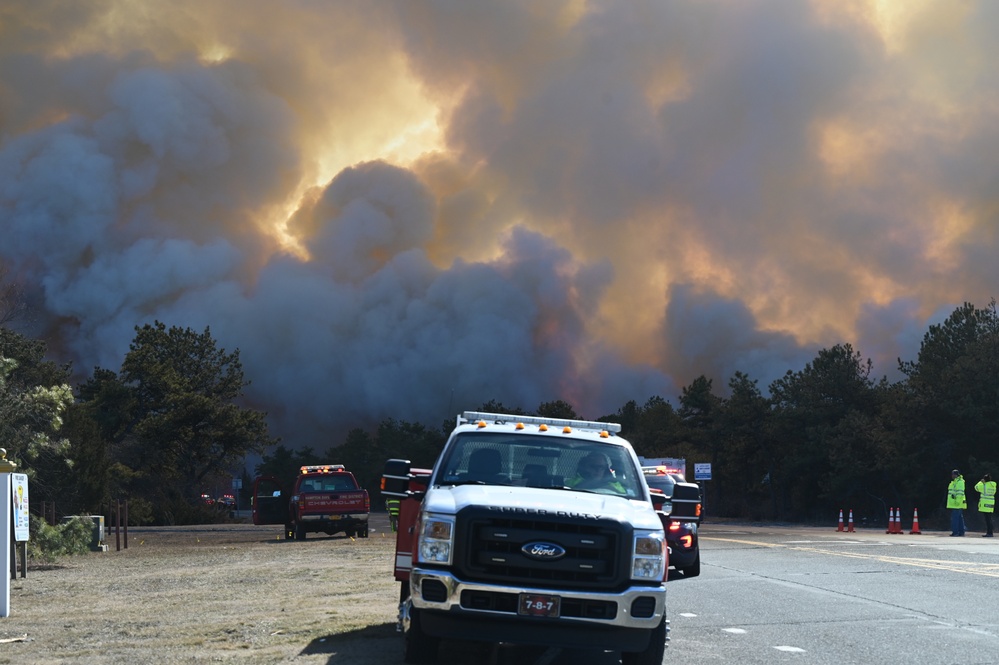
{"x": 398, "y": 209}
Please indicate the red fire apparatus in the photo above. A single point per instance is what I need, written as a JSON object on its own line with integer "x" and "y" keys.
{"x": 326, "y": 498}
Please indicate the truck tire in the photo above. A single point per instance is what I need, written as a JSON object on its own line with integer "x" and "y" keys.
{"x": 653, "y": 654}
{"x": 289, "y": 531}
{"x": 299, "y": 531}
{"x": 420, "y": 647}
{"x": 694, "y": 569}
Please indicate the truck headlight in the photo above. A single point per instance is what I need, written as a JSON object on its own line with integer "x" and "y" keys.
{"x": 649, "y": 556}
{"x": 436, "y": 539}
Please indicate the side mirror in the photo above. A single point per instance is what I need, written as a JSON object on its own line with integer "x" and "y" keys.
{"x": 395, "y": 478}
{"x": 687, "y": 506}
{"x": 659, "y": 500}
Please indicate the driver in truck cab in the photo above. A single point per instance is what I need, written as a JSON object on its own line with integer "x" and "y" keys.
{"x": 594, "y": 472}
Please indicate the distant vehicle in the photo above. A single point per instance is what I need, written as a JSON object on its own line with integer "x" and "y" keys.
{"x": 227, "y": 500}
{"x": 326, "y": 498}
{"x": 207, "y": 499}
{"x": 680, "y": 514}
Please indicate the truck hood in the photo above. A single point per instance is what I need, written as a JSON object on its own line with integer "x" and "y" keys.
{"x": 535, "y": 501}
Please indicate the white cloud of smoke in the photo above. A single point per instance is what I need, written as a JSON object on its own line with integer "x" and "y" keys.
{"x": 399, "y": 209}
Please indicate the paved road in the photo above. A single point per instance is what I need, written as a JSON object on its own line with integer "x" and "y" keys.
{"x": 770, "y": 595}
{"x": 816, "y": 596}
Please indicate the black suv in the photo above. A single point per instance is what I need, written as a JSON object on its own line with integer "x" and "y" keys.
{"x": 680, "y": 515}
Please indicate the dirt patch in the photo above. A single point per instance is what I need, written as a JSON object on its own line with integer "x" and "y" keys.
{"x": 211, "y": 594}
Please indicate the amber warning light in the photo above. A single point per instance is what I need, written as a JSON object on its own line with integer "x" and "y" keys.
{"x": 322, "y": 468}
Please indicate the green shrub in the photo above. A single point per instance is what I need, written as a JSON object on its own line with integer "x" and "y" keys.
{"x": 47, "y": 543}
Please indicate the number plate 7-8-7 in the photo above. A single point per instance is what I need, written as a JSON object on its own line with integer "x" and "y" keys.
{"x": 538, "y": 605}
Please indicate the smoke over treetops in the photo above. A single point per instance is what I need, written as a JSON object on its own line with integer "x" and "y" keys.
{"x": 402, "y": 209}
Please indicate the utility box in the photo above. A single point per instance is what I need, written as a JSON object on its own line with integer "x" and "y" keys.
{"x": 97, "y": 543}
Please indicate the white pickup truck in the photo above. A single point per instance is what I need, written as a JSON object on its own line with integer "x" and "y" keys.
{"x": 530, "y": 530}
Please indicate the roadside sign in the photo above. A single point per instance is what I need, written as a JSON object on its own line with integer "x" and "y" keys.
{"x": 237, "y": 483}
{"x": 702, "y": 471}
{"x": 19, "y": 494}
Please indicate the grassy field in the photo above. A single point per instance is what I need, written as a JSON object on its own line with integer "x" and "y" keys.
{"x": 213, "y": 593}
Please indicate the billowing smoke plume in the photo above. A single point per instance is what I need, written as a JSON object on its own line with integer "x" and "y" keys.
{"x": 398, "y": 209}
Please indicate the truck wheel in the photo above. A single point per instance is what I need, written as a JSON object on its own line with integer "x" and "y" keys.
{"x": 694, "y": 569}
{"x": 299, "y": 531}
{"x": 653, "y": 654}
{"x": 289, "y": 531}
{"x": 420, "y": 647}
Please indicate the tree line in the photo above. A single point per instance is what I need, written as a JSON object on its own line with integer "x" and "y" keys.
{"x": 826, "y": 437}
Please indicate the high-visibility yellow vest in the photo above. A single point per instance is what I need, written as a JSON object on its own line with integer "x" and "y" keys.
{"x": 955, "y": 494}
{"x": 987, "y": 500}
{"x": 609, "y": 483}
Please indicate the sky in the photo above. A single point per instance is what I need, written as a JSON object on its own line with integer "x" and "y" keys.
{"x": 403, "y": 209}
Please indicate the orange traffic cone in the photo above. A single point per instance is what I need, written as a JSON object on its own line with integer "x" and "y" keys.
{"x": 898, "y": 521}
{"x": 915, "y": 521}
{"x": 891, "y": 521}
{"x": 840, "y": 527}
{"x": 850, "y": 527}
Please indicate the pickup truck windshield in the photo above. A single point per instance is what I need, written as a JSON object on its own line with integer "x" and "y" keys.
{"x": 496, "y": 458}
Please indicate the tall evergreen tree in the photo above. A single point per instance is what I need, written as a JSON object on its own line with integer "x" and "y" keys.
{"x": 34, "y": 397}
{"x": 173, "y": 417}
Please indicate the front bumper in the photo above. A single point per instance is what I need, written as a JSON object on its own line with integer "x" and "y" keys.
{"x": 452, "y": 608}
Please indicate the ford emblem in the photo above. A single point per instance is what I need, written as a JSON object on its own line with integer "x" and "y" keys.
{"x": 543, "y": 551}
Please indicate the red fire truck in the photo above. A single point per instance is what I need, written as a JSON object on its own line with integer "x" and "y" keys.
{"x": 326, "y": 498}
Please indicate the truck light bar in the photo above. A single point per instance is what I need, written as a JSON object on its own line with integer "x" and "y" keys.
{"x": 661, "y": 470}
{"x": 321, "y": 468}
{"x": 469, "y": 416}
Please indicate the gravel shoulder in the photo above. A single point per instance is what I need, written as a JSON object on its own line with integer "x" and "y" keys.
{"x": 213, "y": 593}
